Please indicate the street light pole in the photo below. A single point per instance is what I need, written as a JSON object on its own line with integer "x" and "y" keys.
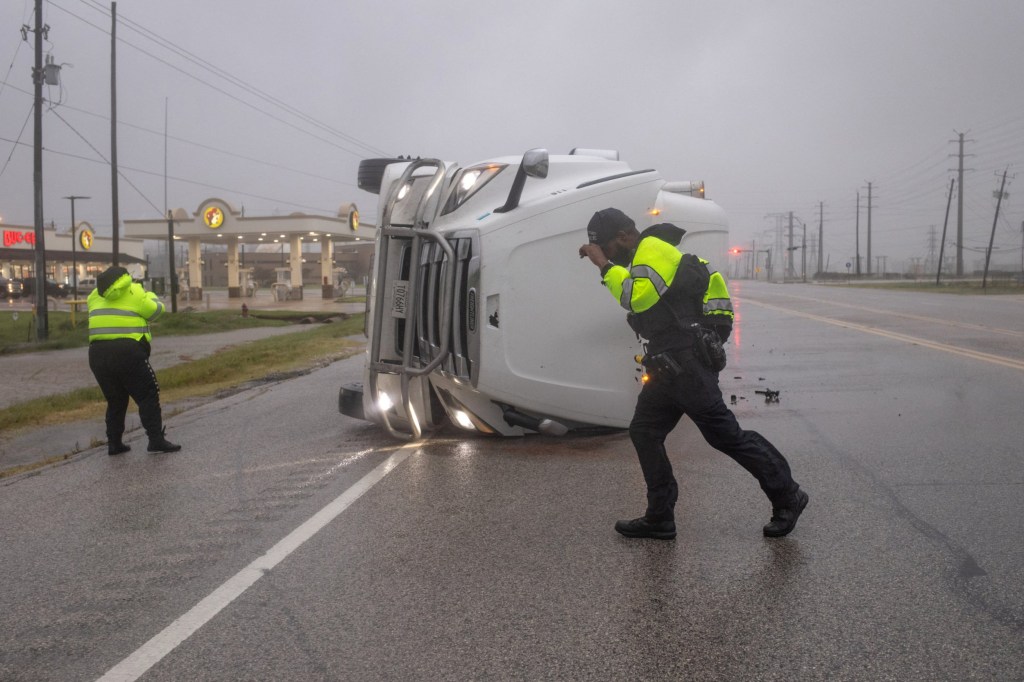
{"x": 172, "y": 272}
{"x": 74, "y": 252}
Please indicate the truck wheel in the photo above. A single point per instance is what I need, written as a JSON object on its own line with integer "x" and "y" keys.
{"x": 371, "y": 172}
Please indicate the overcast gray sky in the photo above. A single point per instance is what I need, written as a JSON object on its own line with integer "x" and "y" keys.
{"x": 777, "y": 106}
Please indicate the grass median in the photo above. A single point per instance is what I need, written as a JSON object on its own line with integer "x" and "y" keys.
{"x": 17, "y": 328}
{"x": 227, "y": 369}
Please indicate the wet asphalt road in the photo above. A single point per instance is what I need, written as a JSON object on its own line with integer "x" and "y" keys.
{"x": 902, "y": 415}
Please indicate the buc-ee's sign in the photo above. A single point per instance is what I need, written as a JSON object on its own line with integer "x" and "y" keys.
{"x": 15, "y": 237}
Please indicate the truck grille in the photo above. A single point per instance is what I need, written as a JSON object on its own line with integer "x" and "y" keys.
{"x": 463, "y": 346}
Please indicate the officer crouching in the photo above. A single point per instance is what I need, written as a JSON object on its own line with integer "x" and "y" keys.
{"x": 119, "y": 345}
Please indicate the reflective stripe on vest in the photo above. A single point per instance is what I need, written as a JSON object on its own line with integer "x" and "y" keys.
{"x": 718, "y": 304}
{"x": 142, "y": 328}
{"x": 113, "y": 311}
{"x": 626, "y": 297}
{"x": 641, "y": 272}
{"x": 650, "y": 273}
{"x": 101, "y": 331}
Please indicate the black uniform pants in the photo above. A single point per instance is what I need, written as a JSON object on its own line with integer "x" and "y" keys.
{"x": 695, "y": 392}
{"x": 121, "y": 368}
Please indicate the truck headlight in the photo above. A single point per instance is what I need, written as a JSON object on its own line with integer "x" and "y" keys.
{"x": 463, "y": 420}
{"x": 384, "y": 402}
{"x": 468, "y": 182}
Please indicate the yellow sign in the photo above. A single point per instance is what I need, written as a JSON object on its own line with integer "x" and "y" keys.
{"x": 213, "y": 217}
{"x": 85, "y": 238}
{"x": 353, "y": 220}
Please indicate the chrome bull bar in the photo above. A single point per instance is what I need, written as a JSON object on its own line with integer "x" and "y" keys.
{"x": 410, "y": 365}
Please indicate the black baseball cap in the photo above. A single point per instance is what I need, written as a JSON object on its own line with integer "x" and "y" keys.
{"x": 607, "y": 223}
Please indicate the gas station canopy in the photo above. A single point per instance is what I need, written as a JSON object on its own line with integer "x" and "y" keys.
{"x": 218, "y": 222}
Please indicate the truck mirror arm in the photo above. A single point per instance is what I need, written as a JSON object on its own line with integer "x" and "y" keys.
{"x": 534, "y": 165}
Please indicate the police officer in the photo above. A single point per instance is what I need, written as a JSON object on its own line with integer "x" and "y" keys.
{"x": 665, "y": 292}
{"x": 119, "y": 346}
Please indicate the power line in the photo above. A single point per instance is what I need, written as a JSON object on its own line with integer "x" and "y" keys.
{"x": 179, "y": 179}
{"x": 217, "y": 71}
{"x": 201, "y": 145}
{"x": 241, "y": 101}
{"x": 119, "y": 173}
{"x": 215, "y": 149}
{"x": 15, "y": 145}
{"x": 11, "y": 66}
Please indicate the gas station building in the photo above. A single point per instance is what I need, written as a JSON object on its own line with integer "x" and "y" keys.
{"x": 83, "y": 251}
{"x": 216, "y": 222}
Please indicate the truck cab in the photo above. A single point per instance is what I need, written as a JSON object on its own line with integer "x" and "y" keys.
{"x": 479, "y": 310}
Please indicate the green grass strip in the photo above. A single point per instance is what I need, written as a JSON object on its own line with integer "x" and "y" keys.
{"x": 18, "y": 335}
{"x": 226, "y": 369}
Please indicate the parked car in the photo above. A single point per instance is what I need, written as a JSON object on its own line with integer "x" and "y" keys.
{"x": 10, "y": 288}
{"x": 85, "y": 286}
{"x": 53, "y": 288}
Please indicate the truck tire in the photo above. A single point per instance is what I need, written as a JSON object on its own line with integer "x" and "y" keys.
{"x": 371, "y": 172}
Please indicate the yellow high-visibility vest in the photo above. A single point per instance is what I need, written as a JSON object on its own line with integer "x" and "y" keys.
{"x": 717, "y": 303}
{"x": 652, "y": 272}
{"x": 123, "y": 312}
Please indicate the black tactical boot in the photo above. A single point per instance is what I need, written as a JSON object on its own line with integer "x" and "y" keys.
{"x": 784, "y": 518}
{"x": 116, "y": 447}
{"x": 158, "y": 443}
{"x": 642, "y": 528}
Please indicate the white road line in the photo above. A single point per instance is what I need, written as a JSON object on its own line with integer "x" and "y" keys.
{"x": 913, "y": 340}
{"x": 910, "y": 316}
{"x": 151, "y": 653}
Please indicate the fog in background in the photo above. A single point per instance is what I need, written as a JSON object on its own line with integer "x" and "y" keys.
{"x": 776, "y": 106}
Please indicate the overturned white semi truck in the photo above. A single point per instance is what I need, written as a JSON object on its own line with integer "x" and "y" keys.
{"x": 479, "y": 310}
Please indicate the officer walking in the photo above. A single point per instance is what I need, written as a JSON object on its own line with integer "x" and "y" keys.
{"x": 669, "y": 297}
{"x": 119, "y": 346}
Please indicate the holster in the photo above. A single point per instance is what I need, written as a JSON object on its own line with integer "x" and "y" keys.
{"x": 708, "y": 348}
{"x": 663, "y": 365}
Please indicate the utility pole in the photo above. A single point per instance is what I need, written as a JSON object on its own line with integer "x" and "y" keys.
{"x": 991, "y": 239}
{"x": 803, "y": 255}
{"x": 173, "y": 275}
{"x": 945, "y": 224}
{"x": 960, "y": 212}
{"x": 960, "y": 205}
{"x": 779, "y": 243}
{"x": 930, "y": 258}
{"x": 821, "y": 237}
{"x": 74, "y": 262}
{"x": 790, "y": 269}
{"x": 869, "y": 229}
{"x": 41, "y": 32}
{"x": 858, "y": 234}
{"x": 113, "y": 132}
